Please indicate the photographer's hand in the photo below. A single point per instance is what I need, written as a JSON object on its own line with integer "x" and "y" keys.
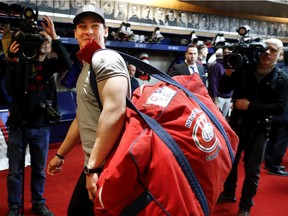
{"x": 13, "y": 51}
{"x": 49, "y": 27}
{"x": 228, "y": 72}
{"x": 242, "y": 104}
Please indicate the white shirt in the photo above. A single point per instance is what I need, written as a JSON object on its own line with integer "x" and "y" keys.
{"x": 193, "y": 69}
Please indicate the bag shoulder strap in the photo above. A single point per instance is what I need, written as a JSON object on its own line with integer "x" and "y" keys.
{"x": 94, "y": 87}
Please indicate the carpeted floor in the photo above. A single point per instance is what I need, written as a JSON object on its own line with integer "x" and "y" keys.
{"x": 58, "y": 189}
{"x": 271, "y": 199}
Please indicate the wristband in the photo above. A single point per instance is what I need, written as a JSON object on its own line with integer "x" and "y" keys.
{"x": 60, "y": 156}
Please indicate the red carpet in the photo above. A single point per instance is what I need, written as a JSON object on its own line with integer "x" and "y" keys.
{"x": 58, "y": 189}
{"x": 271, "y": 199}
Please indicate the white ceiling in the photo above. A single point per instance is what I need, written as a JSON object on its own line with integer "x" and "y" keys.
{"x": 262, "y": 8}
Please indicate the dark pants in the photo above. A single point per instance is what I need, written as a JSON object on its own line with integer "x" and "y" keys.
{"x": 276, "y": 147}
{"x": 80, "y": 204}
{"x": 253, "y": 139}
{"x": 38, "y": 140}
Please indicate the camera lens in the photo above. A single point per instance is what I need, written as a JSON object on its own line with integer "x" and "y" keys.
{"x": 28, "y": 13}
{"x": 29, "y": 50}
{"x": 232, "y": 60}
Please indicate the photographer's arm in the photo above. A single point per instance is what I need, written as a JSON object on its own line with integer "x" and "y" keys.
{"x": 57, "y": 45}
{"x": 48, "y": 26}
{"x": 63, "y": 56}
{"x": 14, "y": 78}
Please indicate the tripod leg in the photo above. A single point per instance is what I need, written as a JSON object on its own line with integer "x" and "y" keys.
{"x": 23, "y": 171}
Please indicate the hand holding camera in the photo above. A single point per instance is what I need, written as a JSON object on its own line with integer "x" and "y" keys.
{"x": 28, "y": 37}
{"x": 228, "y": 72}
{"x": 13, "y": 51}
{"x": 242, "y": 104}
{"x": 48, "y": 26}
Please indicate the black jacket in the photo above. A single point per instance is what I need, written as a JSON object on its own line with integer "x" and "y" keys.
{"x": 267, "y": 97}
{"x": 182, "y": 69}
{"x": 5, "y": 99}
{"x": 30, "y": 84}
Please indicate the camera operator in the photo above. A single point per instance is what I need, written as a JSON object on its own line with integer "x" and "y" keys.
{"x": 278, "y": 138}
{"x": 260, "y": 90}
{"x": 31, "y": 85}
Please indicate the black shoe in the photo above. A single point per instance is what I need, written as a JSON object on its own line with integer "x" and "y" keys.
{"x": 224, "y": 198}
{"x": 243, "y": 212}
{"x": 41, "y": 210}
{"x": 14, "y": 212}
{"x": 270, "y": 167}
{"x": 278, "y": 172}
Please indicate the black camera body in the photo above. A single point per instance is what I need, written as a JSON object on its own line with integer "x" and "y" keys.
{"x": 27, "y": 35}
{"x": 244, "y": 53}
{"x": 51, "y": 113}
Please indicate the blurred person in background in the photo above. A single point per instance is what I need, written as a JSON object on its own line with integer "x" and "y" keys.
{"x": 215, "y": 73}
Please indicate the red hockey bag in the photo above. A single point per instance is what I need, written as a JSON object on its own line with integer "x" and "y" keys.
{"x": 174, "y": 154}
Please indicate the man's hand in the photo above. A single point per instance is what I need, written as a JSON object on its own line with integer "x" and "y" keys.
{"x": 91, "y": 186}
{"x": 55, "y": 166}
{"x": 13, "y": 51}
{"x": 217, "y": 103}
{"x": 242, "y": 104}
{"x": 14, "y": 48}
{"x": 228, "y": 72}
{"x": 49, "y": 27}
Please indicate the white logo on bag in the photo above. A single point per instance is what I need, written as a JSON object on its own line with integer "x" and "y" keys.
{"x": 161, "y": 97}
{"x": 206, "y": 130}
{"x": 203, "y": 133}
{"x": 192, "y": 117}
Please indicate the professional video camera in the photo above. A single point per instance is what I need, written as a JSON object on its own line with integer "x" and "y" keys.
{"x": 245, "y": 52}
{"x": 26, "y": 34}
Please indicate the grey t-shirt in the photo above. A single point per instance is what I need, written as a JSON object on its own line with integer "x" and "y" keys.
{"x": 106, "y": 64}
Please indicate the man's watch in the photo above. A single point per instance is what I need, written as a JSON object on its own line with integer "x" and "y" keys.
{"x": 88, "y": 170}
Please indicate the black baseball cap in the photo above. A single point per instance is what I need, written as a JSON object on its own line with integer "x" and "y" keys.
{"x": 86, "y": 10}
